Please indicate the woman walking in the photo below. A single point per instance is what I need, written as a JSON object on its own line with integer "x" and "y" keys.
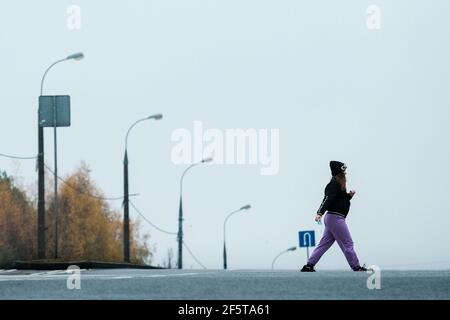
{"x": 336, "y": 205}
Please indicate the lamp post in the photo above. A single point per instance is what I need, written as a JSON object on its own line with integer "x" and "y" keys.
{"x": 126, "y": 205}
{"x": 41, "y": 175}
{"x": 279, "y": 255}
{"x": 225, "y": 265}
{"x": 180, "y": 212}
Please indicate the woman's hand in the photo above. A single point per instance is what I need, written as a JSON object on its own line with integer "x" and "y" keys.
{"x": 318, "y": 218}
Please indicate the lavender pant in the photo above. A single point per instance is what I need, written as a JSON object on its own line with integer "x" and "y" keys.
{"x": 335, "y": 230}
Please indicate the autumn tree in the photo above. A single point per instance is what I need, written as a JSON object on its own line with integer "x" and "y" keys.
{"x": 88, "y": 229}
{"x": 17, "y": 223}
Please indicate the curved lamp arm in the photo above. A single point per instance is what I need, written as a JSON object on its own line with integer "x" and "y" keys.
{"x": 247, "y": 207}
{"x": 280, "y": 254}
{"x": 189, "y": 168}
{"x": 45, "y": 74}
{"x": 75, "y": 56}
{"x": 155, "y": 116}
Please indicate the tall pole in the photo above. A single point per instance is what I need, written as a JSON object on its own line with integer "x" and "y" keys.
{"x": 41, "y": 180}
{"x": 180, "y": 212}
{"x": 41, "y": 174}
{"x": 126, "y": 195}
{"x": 180, "y": 219}
{"x": 126, "y": 216}
{"x": 180, "y": 234}
{"x": 225, "y": 266}
{"x": 55, "y": 175}
{"x": 41, "y": 193}
{"x": 225, "y": 263}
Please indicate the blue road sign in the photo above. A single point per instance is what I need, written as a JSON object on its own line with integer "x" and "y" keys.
{"x": 307, "y": 239}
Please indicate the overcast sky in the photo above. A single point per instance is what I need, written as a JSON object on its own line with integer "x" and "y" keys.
{"x": 377, "y": 100}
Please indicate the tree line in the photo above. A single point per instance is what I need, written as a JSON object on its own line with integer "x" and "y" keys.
{"x": 88, "y": 228}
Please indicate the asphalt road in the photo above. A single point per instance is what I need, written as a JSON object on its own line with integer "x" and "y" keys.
{"x": 220, "y": 285}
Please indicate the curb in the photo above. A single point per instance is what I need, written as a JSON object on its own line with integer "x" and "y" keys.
{"x": 48, "y": 265}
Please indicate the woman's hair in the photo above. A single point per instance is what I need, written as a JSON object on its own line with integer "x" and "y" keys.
{"x": 342, "y": 180}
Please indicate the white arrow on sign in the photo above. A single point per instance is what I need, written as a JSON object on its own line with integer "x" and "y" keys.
{"x": 307, "y": 235}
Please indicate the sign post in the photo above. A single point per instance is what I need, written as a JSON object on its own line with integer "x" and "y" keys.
{"x": 54, "y": 111}
{"x": 307, "y": 239}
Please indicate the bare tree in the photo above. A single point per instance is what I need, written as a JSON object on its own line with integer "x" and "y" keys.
{"x": 168, "y": 262}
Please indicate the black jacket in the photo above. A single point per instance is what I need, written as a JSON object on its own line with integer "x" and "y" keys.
{"x": 336, "y": 199}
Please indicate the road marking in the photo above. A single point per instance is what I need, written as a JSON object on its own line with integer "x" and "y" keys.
{"x": 166, "y": 275}
{"x": 61, "y": 274}
{"x": 52, "y": 273}
{"x": 135, "y": 276}
{"x": 8, "y": 271}
{"x": 49, "y": 273}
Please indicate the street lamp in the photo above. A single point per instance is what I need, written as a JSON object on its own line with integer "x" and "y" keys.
{"x": 247, "y": 207}
{"x": 285, "y": 251}
{"x": 180, "y": 212}
{"x": 126, "y": 205}
{"x": 41, "y": 175}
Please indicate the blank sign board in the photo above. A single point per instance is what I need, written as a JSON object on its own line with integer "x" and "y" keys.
{"x": 48, "y": 105}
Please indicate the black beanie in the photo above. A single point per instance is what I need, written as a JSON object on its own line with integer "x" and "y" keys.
{"x": 337, "y": 167}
